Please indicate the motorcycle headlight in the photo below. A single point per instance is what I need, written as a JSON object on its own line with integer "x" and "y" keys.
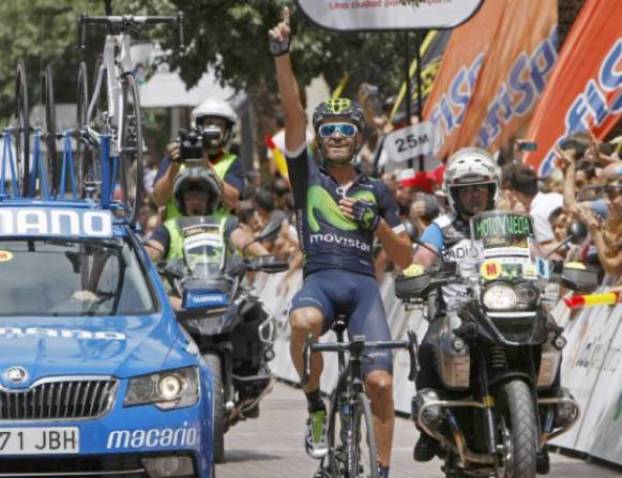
{"x": 499, "y": 297}
{"x": 166, "y": 390}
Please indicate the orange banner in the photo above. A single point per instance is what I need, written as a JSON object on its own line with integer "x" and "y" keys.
{"x": 585, "y": 89}
{"x": 506, "y": 55}
{"x": 455, "y": 81}
{"x": 513, "y": 76}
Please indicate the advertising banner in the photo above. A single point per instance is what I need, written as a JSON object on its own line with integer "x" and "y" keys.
{"x": 513, "y": 76}
{"x": 352, "y": 15}
{"x": 447, "y": 103}
{"x": 585, "y": 88}
{"x": 494, "y": 69}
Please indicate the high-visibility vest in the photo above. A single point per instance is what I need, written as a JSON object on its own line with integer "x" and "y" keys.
{"x": 176, "y": 246}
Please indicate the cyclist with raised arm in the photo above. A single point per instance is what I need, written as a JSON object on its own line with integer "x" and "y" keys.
{"x": 338, "y": 211}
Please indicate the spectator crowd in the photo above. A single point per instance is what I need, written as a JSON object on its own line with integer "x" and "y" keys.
{"x": 583, "y": 191}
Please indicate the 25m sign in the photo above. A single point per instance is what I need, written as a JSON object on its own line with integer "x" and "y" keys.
{"x": 408, "y": 143}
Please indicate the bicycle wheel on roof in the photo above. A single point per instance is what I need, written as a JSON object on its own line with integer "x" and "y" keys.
{"x": 83, "y": 160}
{"x": 48, "y": 127}
{"x": 22, "y": 127}
{"x": 131, "y": 148}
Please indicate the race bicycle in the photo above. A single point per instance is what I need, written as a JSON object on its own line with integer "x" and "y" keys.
{"x": 114, "y": 111}
{"x": 352, "y": 448}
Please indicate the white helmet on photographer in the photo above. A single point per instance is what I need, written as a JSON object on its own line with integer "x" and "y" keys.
{"x": 215, "y": 108}
{"x": 469, "y": 167}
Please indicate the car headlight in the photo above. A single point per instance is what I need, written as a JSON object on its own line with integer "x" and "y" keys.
{"x": 166, "y": 390}
{"x": 499, "y": 297}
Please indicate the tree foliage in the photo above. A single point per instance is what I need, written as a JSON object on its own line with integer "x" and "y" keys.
{"x": 230, "y": 35}
{"x": 233, "y": 36}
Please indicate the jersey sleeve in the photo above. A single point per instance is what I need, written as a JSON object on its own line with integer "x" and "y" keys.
{"x": 433, "y": 236}
{"x": 162, "y": 236}
{"x": 301, "y": 169}
{"x": 230, "y": 226}
{"x": 164, "y": 165}
{"x": 235, "y": 176}
{"x": 387, "y": 207}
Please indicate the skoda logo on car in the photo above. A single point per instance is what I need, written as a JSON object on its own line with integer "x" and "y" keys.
{"x": 15, "y": 375}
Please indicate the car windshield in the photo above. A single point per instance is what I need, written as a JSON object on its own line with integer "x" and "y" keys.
{"x": 204, "y": 249}
{"x": 58, "y": 278}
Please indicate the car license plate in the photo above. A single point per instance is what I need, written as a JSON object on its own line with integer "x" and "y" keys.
{"x": 33, "y": 441}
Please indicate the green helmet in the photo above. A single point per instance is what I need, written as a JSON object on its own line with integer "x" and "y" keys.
{"x": 338, "y": 108}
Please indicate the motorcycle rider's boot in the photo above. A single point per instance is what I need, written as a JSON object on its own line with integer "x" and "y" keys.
{"x": 543, "y": 462}
{"x": 426, "y": 448}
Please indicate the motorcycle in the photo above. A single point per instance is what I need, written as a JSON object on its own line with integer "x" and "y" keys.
{"x": 498, "y": 356}
{"x": 234, "y": 333}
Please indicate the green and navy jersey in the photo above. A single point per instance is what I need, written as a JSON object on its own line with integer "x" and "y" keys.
{"x": 329, "y": 239}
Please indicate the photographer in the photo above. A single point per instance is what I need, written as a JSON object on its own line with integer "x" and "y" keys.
{"x": 205, "y": 146}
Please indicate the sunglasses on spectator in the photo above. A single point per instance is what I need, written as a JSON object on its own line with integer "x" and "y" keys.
{"x": 344, "y": 129}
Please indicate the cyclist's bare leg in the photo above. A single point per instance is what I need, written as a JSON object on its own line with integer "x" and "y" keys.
{"x": 379, "y": 388}
{"x": 303, "y": 321}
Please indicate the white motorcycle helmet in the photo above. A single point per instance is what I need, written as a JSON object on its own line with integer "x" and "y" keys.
{"x": 470, "y": 166}
{"x": 215, "y": 108}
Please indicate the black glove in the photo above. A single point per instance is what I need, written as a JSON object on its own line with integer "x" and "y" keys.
{"x": 366, "y": 214}
{"x": 280, "y": 47}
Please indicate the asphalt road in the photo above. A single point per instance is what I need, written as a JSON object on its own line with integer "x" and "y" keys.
{"x": 272, "y": 446}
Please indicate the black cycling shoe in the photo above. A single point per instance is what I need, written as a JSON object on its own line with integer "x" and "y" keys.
{"x": 543, "y": 462}
{"x": 426, "y": 448}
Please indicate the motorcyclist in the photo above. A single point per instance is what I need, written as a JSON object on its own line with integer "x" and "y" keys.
{"x": 197, "y": 193}
{"x": 472, "y": 183}
{"x": 213, "y": 114}
{"x": 339, "y": 211}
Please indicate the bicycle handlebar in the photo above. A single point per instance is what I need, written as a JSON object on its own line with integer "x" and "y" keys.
{"x": 356, "y": 347}
{"x": 127, "y": 21}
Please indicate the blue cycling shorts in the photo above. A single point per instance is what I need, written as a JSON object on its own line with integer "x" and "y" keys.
{"x": 357, "y": 296}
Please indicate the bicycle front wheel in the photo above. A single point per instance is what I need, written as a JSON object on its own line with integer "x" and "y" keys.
{"x": 131, "y": 149}
{"x": 362, "y": 448}
{"x": 22, "y": 136}
{"x": 351, "y": 441}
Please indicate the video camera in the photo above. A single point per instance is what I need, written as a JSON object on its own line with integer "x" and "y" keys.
{"x": 193, "y": 142}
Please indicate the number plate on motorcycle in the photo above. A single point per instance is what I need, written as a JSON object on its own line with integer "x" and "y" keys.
{"x": 34, "y": 441}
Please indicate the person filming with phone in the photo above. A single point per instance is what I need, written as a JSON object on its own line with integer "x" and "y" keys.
{"x": 205, "y": 145}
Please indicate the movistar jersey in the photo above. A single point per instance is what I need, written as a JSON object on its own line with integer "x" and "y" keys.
{"x": 329, "y": 239}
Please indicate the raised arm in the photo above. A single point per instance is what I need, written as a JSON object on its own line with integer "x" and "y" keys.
{"x": 295, "y": 121}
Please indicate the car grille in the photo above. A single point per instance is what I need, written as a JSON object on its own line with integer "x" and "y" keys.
{"x": 59, "y": 399}
{"x": 128, "y": 466}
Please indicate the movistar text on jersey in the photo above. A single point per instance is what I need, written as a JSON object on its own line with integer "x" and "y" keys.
{"x": 330, "y": 238}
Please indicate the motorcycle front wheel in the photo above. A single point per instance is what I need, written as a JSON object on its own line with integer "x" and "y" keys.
{"x": 215, "y": 365}
{"x": 516, "y": 403}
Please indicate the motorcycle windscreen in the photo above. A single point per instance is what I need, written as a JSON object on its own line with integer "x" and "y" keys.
{"x": 204, "y": 249}
{"x": 504, "y": 241}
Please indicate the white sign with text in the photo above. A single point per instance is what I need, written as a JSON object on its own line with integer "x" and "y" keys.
{"x": 407, "y": 143}
{"x": 388, "y": 14}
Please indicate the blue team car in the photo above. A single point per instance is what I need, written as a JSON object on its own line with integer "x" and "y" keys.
{"x": 97, "y": 378}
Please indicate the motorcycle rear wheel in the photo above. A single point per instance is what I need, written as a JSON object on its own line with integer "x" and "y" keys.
{"x": 516, "y": 402}
{"x": 214, "y": 363}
